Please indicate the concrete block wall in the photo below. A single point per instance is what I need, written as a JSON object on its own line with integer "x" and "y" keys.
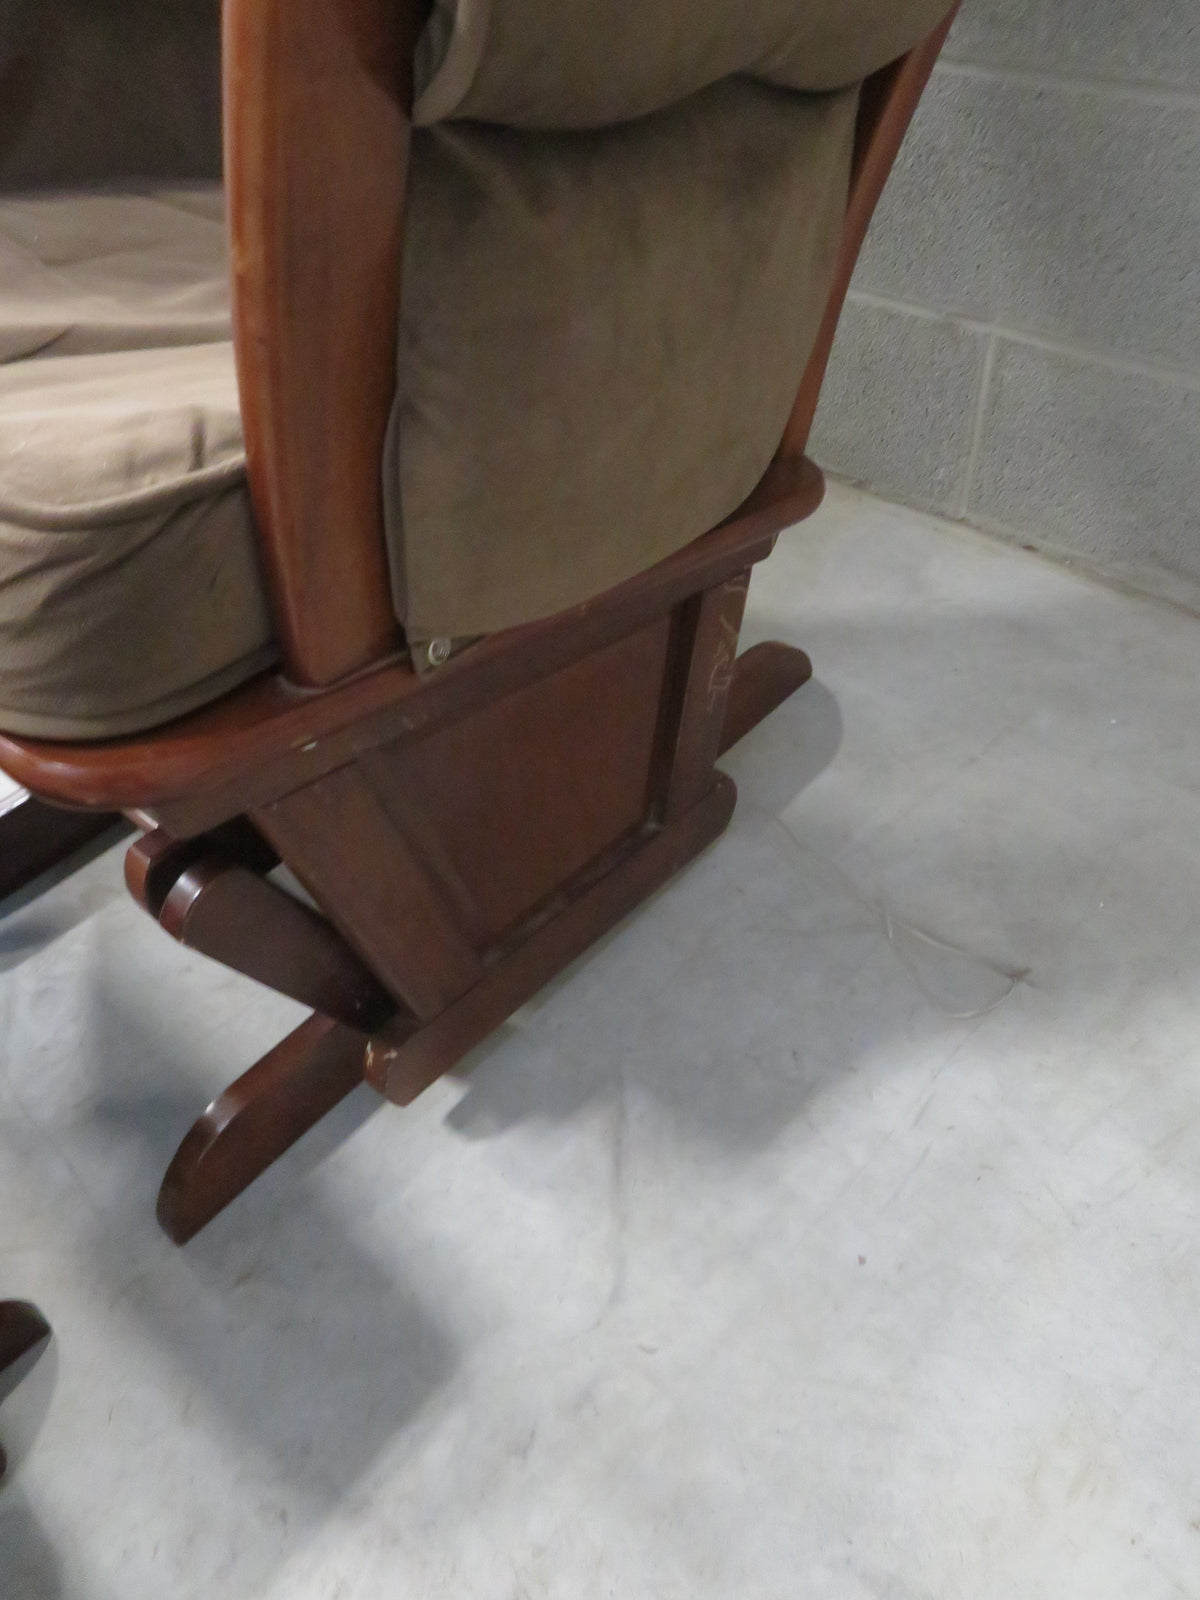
{"x": 1021, "y": 346}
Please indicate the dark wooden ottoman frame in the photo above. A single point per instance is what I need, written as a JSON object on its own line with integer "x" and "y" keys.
{"x": 466, "y": 834}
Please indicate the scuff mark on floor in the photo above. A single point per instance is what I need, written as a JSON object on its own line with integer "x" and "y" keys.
{"x": 958, "y": 981}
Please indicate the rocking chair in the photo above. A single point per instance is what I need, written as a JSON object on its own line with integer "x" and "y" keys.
{"x": 467, "y": 809}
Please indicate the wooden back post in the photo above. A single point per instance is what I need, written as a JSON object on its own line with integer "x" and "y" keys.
{"x": 316, "y": 106}
{"x": 889, "y": 99}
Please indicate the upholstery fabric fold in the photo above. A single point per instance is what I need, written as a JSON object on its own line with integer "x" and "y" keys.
{"x": 587, "y": 63}
{"x": 129, "y": 582}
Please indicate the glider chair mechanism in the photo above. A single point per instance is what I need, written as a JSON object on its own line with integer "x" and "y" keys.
{"x": 462, "y": 828}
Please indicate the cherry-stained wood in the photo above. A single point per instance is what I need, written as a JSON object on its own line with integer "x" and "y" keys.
{"x": 155, "y": 861}
{"x": 709, "y": 653}
{"x": 462, "y": 862}
{"x": 400, "y": 1066}
{"x": 255, "y": 927}
{"x": 763, "y": 677}
{"x": 270, "y": 737}
{"x": 524, "y": 792}
{"x": 316, "y": 165}
{"x": 35, "y": 836}
{"x": 886, "y": 108}
{"x": 256, "y": 1119}
{"x": 409, "y": 808}
{"x": 343, "y": 847}
{"x": 572, "y": 850}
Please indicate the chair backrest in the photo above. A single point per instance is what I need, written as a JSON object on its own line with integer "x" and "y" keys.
{"x": 93, "y": 91}
{"x": 595, "y": 63}
{"x": 886, "y": 106}
{"x": 317, "y": 119}
{"x": 316, "y": 126}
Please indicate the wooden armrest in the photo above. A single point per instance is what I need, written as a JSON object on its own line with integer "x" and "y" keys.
{"x": 242, "y": 750}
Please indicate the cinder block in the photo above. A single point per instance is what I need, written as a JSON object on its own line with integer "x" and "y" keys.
{"x": 1092, "y": 460}
{"x": 898, "y": 405}
{"x": 1071, "y": 213}
{"x": 1141, "y": 41}
{"x": 998, "y": 32}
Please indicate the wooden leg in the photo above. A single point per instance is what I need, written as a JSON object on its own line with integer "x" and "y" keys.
{"x": 231, "y": 914}
{"x": 762, "y": 680}
{"x": 35, "y": 837}
{"x": 717, "y": 619}
{"x": 402, "y": 1062}
{"x": 251, "y": 925}
{"x": 256, "y": 1119}
{"x": 391, "y": 925}
{"x": 261, "y": 1115}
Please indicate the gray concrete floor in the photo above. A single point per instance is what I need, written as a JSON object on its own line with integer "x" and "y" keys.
{"x": 830, "y": 1231}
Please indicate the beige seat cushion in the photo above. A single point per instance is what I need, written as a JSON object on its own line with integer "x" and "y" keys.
{"x": 602, "y": 334}
{"x": 585, "y": 63}
{"x": 129, "y": 585}
{"x": 86, "y": 272}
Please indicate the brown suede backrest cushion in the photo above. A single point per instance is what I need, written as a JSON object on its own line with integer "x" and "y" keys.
{"x": 587, "y": 63}
{"x": 93, "y": 91}
{"x": 601, "y": 338}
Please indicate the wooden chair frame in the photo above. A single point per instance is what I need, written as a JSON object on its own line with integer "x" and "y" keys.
{"x": 467, "y": 834}
{"x": 35, "y": 837}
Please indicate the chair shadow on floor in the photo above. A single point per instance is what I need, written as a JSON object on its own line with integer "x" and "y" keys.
{"x": 29, "y": 1563}
{"x": 35, "y": 926}
{"x": 296, "y": 1356}
{"x": 307, "y": 1402}
{"x": 594, "y": 1051}
{"x": 311, "y": 1356}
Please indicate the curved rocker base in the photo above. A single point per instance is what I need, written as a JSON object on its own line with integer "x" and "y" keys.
{"x": 256, "y": 1119}
{"x": 291, "y": 1088}
{"x": 763, "y": 677}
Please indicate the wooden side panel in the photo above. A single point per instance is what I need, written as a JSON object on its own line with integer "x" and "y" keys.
{"x": 316, "y": 157}
{"x": 270, "y": 737}
{"x": 256, "y": 1119}
{"x": 400, "y": 1063}
{"x": 253, "y": 926}
{"x": 343, "y": 847}
{"x": 507, "y": 803}
{"x": 710, "y": 652}
{"x": 763, "y": 678}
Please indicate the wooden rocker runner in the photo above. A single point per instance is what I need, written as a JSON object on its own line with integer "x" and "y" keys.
{"x": 465, "y": 831}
